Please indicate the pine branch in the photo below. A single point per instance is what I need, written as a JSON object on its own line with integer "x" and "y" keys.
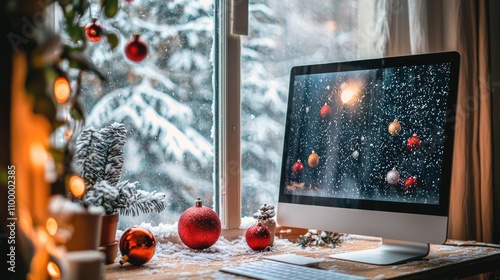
{"x": 145, "y": 202}
{"x": 99, "y": 157}
{"x": 89, "y": 161}
{"x": 115, "y": 134}
{"x": 102, "y": 194}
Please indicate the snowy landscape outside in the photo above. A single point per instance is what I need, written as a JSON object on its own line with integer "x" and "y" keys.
{"x": 166, "y": 101}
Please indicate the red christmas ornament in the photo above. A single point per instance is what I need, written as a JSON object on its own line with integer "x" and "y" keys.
{"x": 137, "y": 246}
{"x": 414, "y": 143}
{"x": 258, "y": 237}
{"x": 199, "y": 226}
{"x": 94, "y": 31}
{"x": 298, "y": 168}
{"x": 136, "y": 49}
{"x": 325, "y": 111}
{"x": 411, "y": 182}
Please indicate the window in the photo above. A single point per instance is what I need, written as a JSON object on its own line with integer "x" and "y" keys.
{"x": 165, "y": 101}
{"x": 282, "y": 34}
{"x": 184, "y": 138}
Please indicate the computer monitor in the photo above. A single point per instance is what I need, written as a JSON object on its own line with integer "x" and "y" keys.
{"x": 368, "y": 150}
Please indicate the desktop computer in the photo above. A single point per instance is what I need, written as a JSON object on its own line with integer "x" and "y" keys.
{"x": 368, "y": 150}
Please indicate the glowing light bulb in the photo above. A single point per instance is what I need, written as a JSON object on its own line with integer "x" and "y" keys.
{"x": 53, "y": 270}
{"x": 51, "y": 226}
{"x": 38, "y": 154}
{"x": 77, "y": 186}
{"x": 62, "y": 90}
{"x": 349, "y": 93}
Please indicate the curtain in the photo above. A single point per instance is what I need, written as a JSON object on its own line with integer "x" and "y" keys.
{"x": 422, "y": 26}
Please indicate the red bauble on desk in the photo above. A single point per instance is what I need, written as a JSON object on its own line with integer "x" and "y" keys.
{"x": 199, "y": 226}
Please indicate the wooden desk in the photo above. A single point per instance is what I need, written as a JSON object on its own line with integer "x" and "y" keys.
{"x": 444, "y": 261}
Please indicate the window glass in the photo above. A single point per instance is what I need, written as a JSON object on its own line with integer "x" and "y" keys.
{"x": 165, "y": 101}
{"x": 282, "y": 34}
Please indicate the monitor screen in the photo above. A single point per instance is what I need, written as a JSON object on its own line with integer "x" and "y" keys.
{"x": 368, "y": 147}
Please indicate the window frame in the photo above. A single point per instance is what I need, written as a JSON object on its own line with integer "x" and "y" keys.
{"x": 231, "y": 23}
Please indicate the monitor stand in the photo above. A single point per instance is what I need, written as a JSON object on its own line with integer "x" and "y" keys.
{"x": 390, "y": 252}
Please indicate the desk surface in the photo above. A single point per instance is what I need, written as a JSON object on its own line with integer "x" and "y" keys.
{"x": 173, "y": 261}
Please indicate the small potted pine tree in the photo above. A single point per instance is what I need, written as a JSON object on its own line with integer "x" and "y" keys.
{"x": 98, "y": 159}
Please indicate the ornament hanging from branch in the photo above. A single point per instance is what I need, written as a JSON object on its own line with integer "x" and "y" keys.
{"x": 94, "y": 31}
{"x": 136, "y": 49}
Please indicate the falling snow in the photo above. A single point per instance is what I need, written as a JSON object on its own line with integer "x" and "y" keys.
{"x": 356, "y": 150}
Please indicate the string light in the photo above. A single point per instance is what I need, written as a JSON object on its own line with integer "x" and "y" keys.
{"x": 53, "y": 270}
{"x": 62, "y": 90}
{"x": 51, "y": 226}
{"x": 77, "y": 186}
{"x": 38, "y": 154}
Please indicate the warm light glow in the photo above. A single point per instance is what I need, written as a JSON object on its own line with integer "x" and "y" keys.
{"x": 331, "y": 25}
{"x": 53, "y": 270}
{"x": 51, "y": 226}
{"x": 43, "y": 238}
{"x": 348, "y": 93}
{"x": 62, "y": 90}
{"x": 77, "y": 186}
{"x": 38, "y": 154}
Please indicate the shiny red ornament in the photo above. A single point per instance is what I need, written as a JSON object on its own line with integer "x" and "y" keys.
{"x": 94, "y": 31}
{"x": 411, "y": 182}
{"x": 136, "y": 49}
{"x": 414, "y": 143}
{"x": 137, "y": 246}
{"x": 325, "y": 111}
{"x": 258, "y": 237}
{"x": 199, "y": 226}
{"x": 298, "y": 168}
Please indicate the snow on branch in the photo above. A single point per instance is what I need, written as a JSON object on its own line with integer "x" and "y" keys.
{"x": 99, "y": 160}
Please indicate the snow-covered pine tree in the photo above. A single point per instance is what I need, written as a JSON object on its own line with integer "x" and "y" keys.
{"x": 99, "y": 159}
{"x": 165, "y": 101}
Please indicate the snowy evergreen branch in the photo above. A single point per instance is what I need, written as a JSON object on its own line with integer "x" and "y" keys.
{"x": 99, "y": 160}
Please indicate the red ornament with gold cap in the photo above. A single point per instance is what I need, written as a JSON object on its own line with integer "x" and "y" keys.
{"x": 199, "y": 227}
{"x": 137, "y": 246}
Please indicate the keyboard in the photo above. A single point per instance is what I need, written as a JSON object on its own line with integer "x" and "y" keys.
{"x": 272, "y": 270}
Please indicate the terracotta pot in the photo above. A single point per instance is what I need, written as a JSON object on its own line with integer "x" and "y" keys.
{"x": 108, "y": 229}
{"x": 271, "y": 226}
{"x": 86, "y": 228}
{"x": 110, "y": 252}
